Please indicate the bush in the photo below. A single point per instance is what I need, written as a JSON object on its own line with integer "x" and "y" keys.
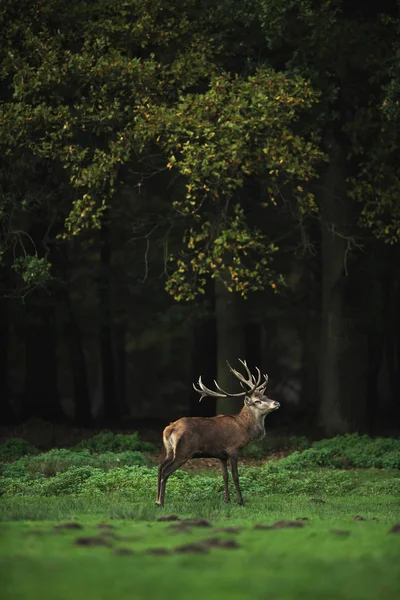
{"x": 141, "y": 482}
{"x": 312, "y": 458}
{"x": 116, "y": 442}
{"x": 347, "y": 451}
{"x": 58, "y": 461}
{"x": 271, "y": 444}
{"x": 14, "y": 448}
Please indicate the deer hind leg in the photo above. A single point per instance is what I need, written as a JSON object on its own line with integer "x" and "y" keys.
{"x": 169, "y": 457}
{"x": 224, "y": 468}
{"x": 235, "y": 476}
{"x": 179, "y": 459}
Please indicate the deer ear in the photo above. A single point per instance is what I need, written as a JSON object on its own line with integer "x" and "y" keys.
{"x": 247, "y": 400}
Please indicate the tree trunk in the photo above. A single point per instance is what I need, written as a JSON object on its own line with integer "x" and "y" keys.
{"x": 121, "y": 372}
{"x": 82, "y": 403}
{"x": 204, "y": 358}
{"x": 343, "y": 362}
{"x": 41, "y": 396}
{"x": 110, "y": 404}
{"x": 6, "y": 411}
{"x": 230, "y": 345}
{"x": 392, "y": 335}
{"x": 310, "y": 333}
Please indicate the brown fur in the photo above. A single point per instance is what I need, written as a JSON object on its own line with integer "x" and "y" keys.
{"x": 221, "y": 437}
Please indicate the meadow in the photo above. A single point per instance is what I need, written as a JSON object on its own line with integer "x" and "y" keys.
{"x": 81, "y": 523}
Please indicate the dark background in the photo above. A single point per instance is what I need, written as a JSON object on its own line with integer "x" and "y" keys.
{"x": 102, "y": 345}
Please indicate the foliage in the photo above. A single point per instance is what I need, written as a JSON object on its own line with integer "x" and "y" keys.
{"x": 141, "y": 483}
{"x": 116, "y": 442}
{"x": 347, "y": 451}
{"x": 271, "y": 444}
{"x": 239, "y": 128}
{"x": 14, "y": 448}
{"x": 95, "y": 94}
{"x": 57, "y": 461}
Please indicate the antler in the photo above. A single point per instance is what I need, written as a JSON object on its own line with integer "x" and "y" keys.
{"x": 251, "y": 382}
{"x": 204, "y": 391}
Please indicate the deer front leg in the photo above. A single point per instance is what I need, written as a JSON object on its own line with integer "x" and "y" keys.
{"x": 235, "y": 476}
{"x": 224, "y": 467}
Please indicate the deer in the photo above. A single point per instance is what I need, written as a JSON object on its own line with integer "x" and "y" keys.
{"x": 221, "y": 436}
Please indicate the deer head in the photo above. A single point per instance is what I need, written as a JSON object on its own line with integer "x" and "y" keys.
{"x": 254, "y": 395}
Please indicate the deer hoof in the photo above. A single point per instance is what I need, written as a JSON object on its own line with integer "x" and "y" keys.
{"x": 241, "y": 502}
{"x": 227, "y": 500}
{"x": 159, "y": 504}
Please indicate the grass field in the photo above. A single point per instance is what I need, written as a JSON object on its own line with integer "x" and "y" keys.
{"x": 108, "y": 546}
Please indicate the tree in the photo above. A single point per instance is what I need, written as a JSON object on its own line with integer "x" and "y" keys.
{"x": 263, "y": 117}
{"x": 329, "y": 43}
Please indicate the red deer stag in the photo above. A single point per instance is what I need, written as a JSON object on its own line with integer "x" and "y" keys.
{"x": 220, "y": 437}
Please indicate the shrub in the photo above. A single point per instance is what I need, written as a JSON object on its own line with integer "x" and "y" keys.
{"x": 58, "y": 461}
{"x": 14, "y": 448}
{"x": 116, "y": 442}
{"x": 140, "y": 483}
{"x": 70, "y": 482}
{"x": 347, "y": 451}
{"x": 270, "y": 444}
{"x": 312, "y": 458}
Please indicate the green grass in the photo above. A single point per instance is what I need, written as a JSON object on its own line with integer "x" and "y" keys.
{"x": 39, "y": 563}
{"x": 332, "y": 556}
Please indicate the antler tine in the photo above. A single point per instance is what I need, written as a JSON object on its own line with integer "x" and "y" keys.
{"x": 205, "y": 391}
{"x": 220, "y": 388}
{"x": 249, "y": 374}
{"x": 202, "y": 395}
{"x": 264, "y": 384}
{"x": 257, "y": 383}
{"x": 248, "y": 382}
{"x": 228, "y": 393}
{"x": 251, "y": 384}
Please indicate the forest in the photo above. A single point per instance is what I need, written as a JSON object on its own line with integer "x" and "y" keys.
{"x": 186, "y": 183}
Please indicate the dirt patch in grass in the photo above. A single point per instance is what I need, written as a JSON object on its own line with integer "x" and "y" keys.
{"x": 342, "y": 532}
{"x": 359, "y": 518}
{"x": 179, "y": 528}
{"x": 194, "y": 548}
{"x": 233, "y": 530}
{"x": 110, "y": 535}
{"x": 395, "y": 528}
{"x": 90, "y": 541}
{"x": 317, "y": 501}
{"x": 281, "y": 525}
{"x": 218, "y": 543}
{"x": 158, "y": 551}
{"x": 67, "y": 526}
{"x": 168, "y": 518}
{"x": 185, "y": 525}
{"x": 123, "y": 551}
{"x": 196, "y": 522}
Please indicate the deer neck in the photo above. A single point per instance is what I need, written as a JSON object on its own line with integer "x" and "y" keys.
{"x": 253, "y": 423}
